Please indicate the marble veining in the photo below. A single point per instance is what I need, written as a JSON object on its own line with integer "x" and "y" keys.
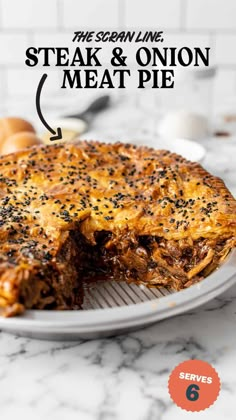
{"x": 125, "y": 377}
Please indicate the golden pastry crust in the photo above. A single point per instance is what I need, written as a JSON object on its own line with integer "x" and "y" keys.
{"x": 153, "y": 207}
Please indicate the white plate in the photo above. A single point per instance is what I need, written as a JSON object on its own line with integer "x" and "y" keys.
{"x": 70, "y": 325}
{"x": 189, "y": 149}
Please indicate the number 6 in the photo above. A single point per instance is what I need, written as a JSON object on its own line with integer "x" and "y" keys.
{"x": 191, "y": 392}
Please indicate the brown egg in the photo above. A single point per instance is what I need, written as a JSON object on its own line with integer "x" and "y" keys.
{"x": 12, "y": 125}
{"x": 19, "y": 141}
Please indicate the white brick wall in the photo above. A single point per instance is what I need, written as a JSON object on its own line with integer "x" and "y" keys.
{"x": 92, "y": 14}
{"x": 22, "y": 82}
{"x": 25, "y": 23}
{"x": 225, "y": 49}
{"x": 12, "y": 48}
{"x": 211, "y": 14}
{"x": 153, "y": 13}
{"x": 29, "y": 14}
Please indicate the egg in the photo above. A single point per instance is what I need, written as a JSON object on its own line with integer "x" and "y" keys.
{"x": 12, "y": 125}
{"x": 19, "y": 141}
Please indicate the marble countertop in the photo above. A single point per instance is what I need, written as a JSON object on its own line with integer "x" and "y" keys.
{"x": 125, "y": 377}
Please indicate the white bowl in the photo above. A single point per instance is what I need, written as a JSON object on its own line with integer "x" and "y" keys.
{"x": 189, "y": 149}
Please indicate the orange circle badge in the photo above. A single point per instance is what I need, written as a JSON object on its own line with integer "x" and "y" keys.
{"x": 194, "y": 385}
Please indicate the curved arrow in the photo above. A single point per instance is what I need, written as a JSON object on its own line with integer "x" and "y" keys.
{"x": 57, "y": 135}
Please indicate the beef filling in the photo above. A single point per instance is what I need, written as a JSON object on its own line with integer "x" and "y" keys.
{"x": 154, "y": 261}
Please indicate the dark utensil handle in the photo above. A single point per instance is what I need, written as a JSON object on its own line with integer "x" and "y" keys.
{"x": 96, "y": 106}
